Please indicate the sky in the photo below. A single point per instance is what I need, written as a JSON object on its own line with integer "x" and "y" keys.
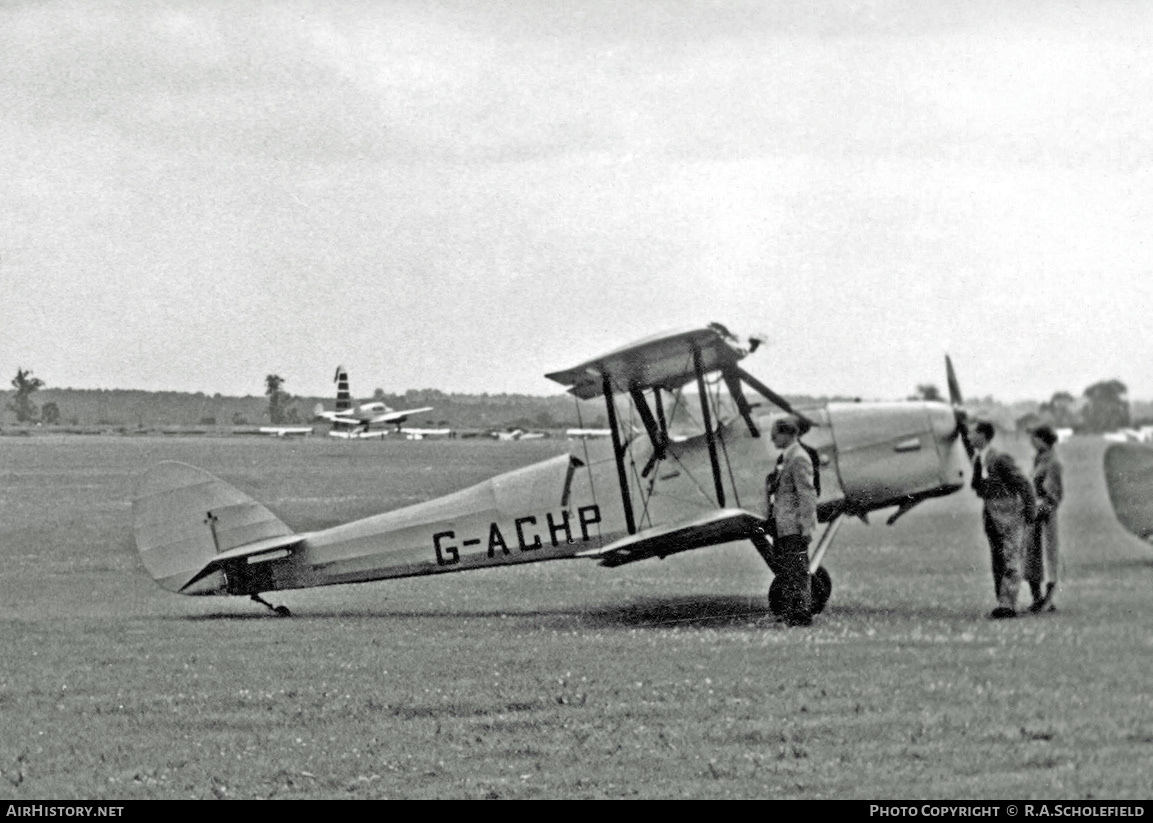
{"x": 464, "y": 196}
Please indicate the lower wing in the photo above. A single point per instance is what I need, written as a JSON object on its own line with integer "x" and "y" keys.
{"x": 721, "y": 526}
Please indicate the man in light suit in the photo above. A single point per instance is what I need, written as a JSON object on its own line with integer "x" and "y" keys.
{"x": 1009, "y": 509}
{"x": 793, "y": 511}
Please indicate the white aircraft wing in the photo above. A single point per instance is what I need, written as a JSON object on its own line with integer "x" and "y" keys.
{"x": 395, "y": 416}
{"x": 337, "y": 417}
{"x": 720, "y": 526}
{"x": 663, "y": 360}
{"x": 284, "y": 431}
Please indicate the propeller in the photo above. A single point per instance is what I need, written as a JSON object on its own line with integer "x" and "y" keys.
{"x": 957, "y": 400}
{"x": 954, "y": 387}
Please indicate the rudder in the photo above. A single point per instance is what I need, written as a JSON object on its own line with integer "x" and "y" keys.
{"x": 184, "y": 517}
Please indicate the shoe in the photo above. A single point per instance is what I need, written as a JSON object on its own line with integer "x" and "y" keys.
{"x": 1044, "y": 604}
{"x": 1001, "y": 613}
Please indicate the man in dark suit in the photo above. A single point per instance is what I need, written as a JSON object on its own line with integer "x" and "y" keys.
{"x": 1009, "y": 508}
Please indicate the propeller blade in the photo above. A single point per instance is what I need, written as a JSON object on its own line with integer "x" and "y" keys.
{"x": 957, "y": 399}
{"x": 954, "y": 387}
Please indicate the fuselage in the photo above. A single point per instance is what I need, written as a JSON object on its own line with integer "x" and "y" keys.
{"x": 873, "y": 455}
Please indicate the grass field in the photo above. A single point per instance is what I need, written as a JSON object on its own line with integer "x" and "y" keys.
{"x": 555, "y": 680}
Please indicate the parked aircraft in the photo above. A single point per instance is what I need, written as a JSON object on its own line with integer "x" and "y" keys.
{"x": 287, "y": 431}
{"x": 1127, "y": 435}
{"x": 518, "y": 434}
{"x": 1129, "y": 479}
{"x": 360, "y": 417}
{"x": 379, "y": 434}
{"x": 411, "y": 433}
{"x": 680, "y": 471}
{"x": 581, "y": 434}
{"x": 359, "y": 434}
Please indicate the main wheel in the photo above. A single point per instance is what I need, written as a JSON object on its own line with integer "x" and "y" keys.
{"x": 822, "y": 587}
{"x": 777, "y": 597}
{"x": 282, "y": 611}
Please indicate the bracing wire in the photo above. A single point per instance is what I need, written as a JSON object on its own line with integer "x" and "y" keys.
{"x": 588, "y": 461}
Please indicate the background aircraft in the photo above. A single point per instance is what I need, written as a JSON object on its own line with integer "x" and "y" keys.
{"x": 362, "y": 416}
{"x": 1129, "y": 479}
{"x": 287, "y": 431}
{"x": 518, "y": 434}
{"x": 578, "y": 434}
{"x": 680, "y": 471}
{"x": 415, "y": 433}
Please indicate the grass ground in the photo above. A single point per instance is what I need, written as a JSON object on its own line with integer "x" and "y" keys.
{"x": 556, "y": 680}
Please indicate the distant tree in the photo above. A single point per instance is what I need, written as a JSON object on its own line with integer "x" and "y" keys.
{"x": 25, "y": 384}
{"x": 1060, "y": 410}
{"x": 927, "y": 391}
{"x": 1107, "y": 406}
{"x": 50, "y": 413}
{"x": 279, "y": 401}
{"x": 239, "y": 419}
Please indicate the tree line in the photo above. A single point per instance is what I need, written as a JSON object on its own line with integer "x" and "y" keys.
{"x": 1103, "y": 406}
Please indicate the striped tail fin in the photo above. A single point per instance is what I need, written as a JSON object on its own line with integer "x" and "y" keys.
{"x": 343, "y": 396}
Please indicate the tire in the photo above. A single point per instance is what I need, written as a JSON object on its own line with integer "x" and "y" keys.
{"x": 776, "y": 597}
{"x": 822, "y": 587}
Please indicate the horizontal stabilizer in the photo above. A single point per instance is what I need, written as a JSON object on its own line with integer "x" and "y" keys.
{"x": 663, "y": 361}
{"x": 188, "y": 523}
{"x": 721, "y": 526}
{"x": 1129, "y": 478}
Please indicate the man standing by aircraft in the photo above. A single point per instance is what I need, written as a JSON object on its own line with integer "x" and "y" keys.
{"x": 793, "y": 510}
{"x": 1009, "y": 507}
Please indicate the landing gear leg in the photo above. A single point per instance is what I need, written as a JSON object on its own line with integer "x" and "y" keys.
{"x": 821, "y": 582}
{"x": 279, "y": 611}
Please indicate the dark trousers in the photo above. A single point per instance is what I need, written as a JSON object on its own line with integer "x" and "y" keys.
{"x": 1005, "y": 528}
{"x": 791, "y": 558}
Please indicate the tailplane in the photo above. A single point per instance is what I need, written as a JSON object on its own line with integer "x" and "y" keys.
{"x": 191, "y": 528}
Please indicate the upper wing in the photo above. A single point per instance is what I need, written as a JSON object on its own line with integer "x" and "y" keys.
{"x": 661, "y": 361}
{"x": 394, "y": 416}
{"x": 720, "y": 526}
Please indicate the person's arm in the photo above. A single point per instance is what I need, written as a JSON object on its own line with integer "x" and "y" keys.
{"x": 1018, "y": 484}
{"x": 1054, "y": 485}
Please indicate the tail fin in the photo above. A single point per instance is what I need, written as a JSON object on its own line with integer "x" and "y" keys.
{"x": 343, "y": 396}
{"x": 188, "y": 524}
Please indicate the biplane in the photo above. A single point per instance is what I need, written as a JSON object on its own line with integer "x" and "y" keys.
{"x": 684, "y": 468}
{"x": 354, "y": 421}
